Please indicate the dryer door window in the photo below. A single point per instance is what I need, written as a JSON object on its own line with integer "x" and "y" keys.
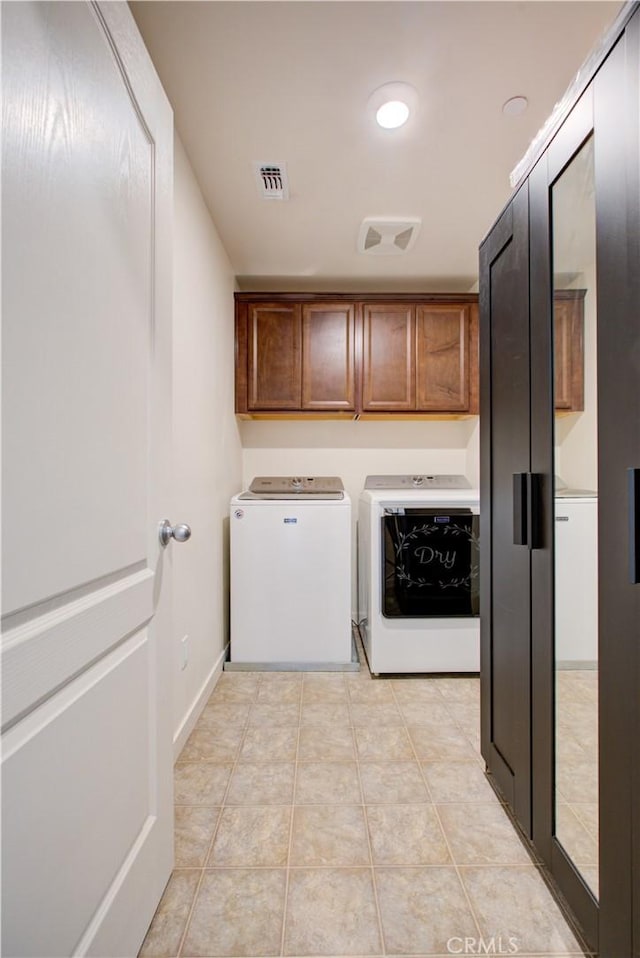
{"x": 430, "y": 563}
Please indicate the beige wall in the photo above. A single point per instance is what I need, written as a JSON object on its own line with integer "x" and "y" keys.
{"x": 206, "y": 445}
{"x": 354, "y": 450}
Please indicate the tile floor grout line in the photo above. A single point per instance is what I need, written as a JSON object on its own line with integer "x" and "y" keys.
{"x": 215, "y": 831}
{"x": 291, "y": 819}
{"x": 365, "y": 816}
{"x": 445, "y": 837}
{"x": 467, "y": 736}
{"x": 483, "y": 866}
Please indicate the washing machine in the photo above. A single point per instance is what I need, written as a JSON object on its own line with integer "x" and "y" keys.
{"x": 576, "y": 579}
{"x": 291, "y": 575}
{"x": 418, "y": 575}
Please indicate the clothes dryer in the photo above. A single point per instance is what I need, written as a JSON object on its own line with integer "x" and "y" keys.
{"x": 418, "y": 577}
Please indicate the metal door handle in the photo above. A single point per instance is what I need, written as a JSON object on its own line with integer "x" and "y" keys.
{"x": 167, "y": 532}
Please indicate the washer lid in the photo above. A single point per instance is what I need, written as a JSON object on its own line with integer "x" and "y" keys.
{"x": 297, "y": 487}
{"x": 417, "y": 482}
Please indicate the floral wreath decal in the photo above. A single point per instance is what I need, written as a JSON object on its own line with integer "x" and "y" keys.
{"x": 452, "y": 529}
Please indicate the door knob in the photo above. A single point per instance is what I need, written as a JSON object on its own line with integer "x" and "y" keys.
{"x": 167, "y": 532}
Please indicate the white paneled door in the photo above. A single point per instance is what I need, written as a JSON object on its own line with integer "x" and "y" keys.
{"x": 86, "y": 270}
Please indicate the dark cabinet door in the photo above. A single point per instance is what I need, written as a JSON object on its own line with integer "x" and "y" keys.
{"x": 388, "y": 358}
{"x": 560, "y": 205}
{"x": 617, "y": 193}
{"x": 531, "y": 323}
{"x": 274, "y": 356}
{"x": 505, "y": 465}
{"x": 328, "y": 356}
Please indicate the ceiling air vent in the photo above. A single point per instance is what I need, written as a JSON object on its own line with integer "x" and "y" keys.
{"x": 272, "y": 181}
{"x": 384, "y": 236}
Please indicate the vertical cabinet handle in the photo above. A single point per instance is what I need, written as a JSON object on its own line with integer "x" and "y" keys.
{"x": 520, "y": 510}
{"x": 634, "y": 525}
{"x": 534, "y": 510}
{"x": 527, "y": 509}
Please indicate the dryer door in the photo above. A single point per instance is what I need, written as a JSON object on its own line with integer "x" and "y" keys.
{"x": 430, "y": 561}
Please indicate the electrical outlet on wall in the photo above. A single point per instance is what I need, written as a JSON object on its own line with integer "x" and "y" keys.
{"x": 184, "y": 652}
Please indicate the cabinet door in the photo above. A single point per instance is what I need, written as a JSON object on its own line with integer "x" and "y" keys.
{"x": 505, "y": 556}
{"x": 617, "y": 192}
{"x": 442, "y": 358}
{"x": 388, "y": 358}
{"x": 275, "y": 356}
{"x": 328, "y": 356}
{"x": 568, "y": 332}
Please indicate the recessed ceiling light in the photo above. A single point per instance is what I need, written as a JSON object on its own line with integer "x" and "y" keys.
{"x": 515, "y": 106}
{"x": 392, "y": 114}
{"x": 392, "y": 104}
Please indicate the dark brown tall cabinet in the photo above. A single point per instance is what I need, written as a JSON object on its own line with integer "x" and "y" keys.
{"x": 585, "y": 182}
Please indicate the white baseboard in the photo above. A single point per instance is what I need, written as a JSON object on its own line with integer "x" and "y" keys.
{"x": 188, "y": 723}
{"x": 582, "y": 665}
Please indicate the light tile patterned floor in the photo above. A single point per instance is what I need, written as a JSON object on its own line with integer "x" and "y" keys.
{"x": 338, "y": 815}
{"x": 577, "y": 769}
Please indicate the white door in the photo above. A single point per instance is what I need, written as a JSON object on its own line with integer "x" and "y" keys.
{"x": 86, "y": 250}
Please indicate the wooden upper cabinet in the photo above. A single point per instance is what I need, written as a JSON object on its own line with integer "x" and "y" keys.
{"x": 388, "y": 367}
{"x": 568, "y": 334}
{"x": 328, "y": 356}
{"x": 274, "y": 356}
{"x": 421, "y": 358}
{"x": 346, "y": 354}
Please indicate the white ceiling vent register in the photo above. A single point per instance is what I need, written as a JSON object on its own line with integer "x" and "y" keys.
{"x": 273, "y": 182}
{"x": 383, "y": 236}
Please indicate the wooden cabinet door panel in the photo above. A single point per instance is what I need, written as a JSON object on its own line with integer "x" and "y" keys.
{"x": 389, "y": 358}
{"x": 442, "y": 358}
{"x": 275, "y": 356}
{"x": 568, "y": 329}
{"x": 328, "y": 356}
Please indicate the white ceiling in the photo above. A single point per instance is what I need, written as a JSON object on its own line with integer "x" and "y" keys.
{"x": 289, "y": 82}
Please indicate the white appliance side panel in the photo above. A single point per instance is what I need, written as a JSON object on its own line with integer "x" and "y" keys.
{"x": 369, "y": 571}
{"x": 290, "y": 582}
{"x": 364, "y": 561}
{"x": 576, "y": 580}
